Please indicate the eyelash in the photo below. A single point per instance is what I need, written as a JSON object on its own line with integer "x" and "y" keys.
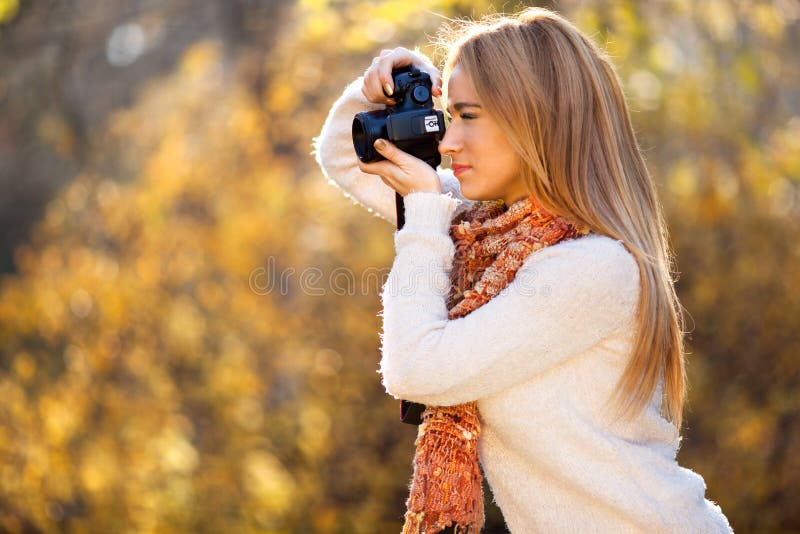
{"x": 464, "y": 116}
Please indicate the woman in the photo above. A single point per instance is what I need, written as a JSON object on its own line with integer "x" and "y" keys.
{"x": 531, "y": 305}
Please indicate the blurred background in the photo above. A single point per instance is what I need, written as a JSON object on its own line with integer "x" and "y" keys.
{"x": 188, "y": 340}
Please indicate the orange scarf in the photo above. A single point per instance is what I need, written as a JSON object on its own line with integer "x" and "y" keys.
{"x": 492, "y": 243}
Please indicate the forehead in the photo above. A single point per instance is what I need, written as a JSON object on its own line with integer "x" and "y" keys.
{"x": 459, "y": 83}
{"x": 460, "y": 89}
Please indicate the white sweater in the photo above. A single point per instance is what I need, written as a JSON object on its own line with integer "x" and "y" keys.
{"x": 541, "y": 359}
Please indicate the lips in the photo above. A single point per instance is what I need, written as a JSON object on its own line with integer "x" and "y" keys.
{"x": 458, "y": 169}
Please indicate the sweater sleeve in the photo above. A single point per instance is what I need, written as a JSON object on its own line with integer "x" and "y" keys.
{"x": 565, "y": 299}
{"x": 335, "y": 154}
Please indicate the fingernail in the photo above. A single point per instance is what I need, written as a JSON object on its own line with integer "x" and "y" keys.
{"x": 380, "y": 144}
{"x": 388, "y": 89}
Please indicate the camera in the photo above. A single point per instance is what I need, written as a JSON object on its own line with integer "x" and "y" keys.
{"x": 411, "y": 124}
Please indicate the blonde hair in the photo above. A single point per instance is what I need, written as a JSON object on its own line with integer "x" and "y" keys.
{"x": 559, "y": 101}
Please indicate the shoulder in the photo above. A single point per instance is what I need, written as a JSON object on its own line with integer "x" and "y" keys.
{"x": 592, "y": 249}
{"x": 594, "y": 246}
{"x": 594, "y": 264}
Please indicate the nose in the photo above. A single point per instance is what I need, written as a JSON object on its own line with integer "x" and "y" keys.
{"x": 449, "y": 144}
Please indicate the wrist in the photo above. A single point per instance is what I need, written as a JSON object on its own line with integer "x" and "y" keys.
{"x": 429, "y": 210}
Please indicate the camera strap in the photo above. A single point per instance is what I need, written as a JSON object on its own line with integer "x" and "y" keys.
{"x": 410, "y": 412}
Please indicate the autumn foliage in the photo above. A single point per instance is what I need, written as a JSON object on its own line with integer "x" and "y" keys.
{"x": 190, "y": 340}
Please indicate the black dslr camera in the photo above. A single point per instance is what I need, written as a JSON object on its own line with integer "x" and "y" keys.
{"x": 412, "y": 124}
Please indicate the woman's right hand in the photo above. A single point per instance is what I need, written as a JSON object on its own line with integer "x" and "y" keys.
{"x": 378, "y": 77}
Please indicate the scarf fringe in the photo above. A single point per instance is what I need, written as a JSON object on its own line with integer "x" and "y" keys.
{"x": 414, "y": 525}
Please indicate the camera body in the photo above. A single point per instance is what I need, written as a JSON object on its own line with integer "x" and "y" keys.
{"x": 413, "y": 125}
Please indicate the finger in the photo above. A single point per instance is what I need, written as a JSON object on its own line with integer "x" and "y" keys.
{"x": 389, "y": 151}
{"x": 384, "y": 76}
{"x": 400, "y": 57}
{"x": 375, "y": 88}
{"x": 388, "y": 182}
{"x": 372, "y": 85}
{"x": 437, "y": 84}
{"x": 384, "y": 169}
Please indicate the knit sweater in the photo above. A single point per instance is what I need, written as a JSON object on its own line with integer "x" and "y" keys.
{"x": 541, "y": 359}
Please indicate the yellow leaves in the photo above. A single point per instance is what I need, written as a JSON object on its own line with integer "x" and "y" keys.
{"x": 53, "y": 129}
{"x": 231, "y": 374}
{"x": 52, "y": 310}
{"x": 200, "y": 58}
{"x": 76, "y": 195}
{"x": 318, "y": 23}
{"x": 360, "y": 26}
{"x": 78, "y": 365}
{"x": 175, "y": 451}
{"x": 8, "y": 10}
{"x": 747, "y": 72}
{"x": 768, "y": 19}
{"x": 327, "y": 362}
{"x": 315, "y": 426}
{"x": 246, "y": 127}
{"x": 268, "y": 483}
{"x": 683, "y": 179}
{"x": 313, "y": 5}
{"x": 248, "y": 413}
{"x": 362, "y": 38}
{"x": 185, "y": 328}
{"x": 784, "y": 148}
{"x": 145, "y": 375}
{"x": 60, "y": 418}
{"x": 646, "y": 89}
{"x": 720, "y": 18}
{"x": 81, "y": 303}
{"x": 24, "y": 367}
{"x": 99, "y": 466}
{"x": 665, "y": 55}
{"x": 324, "y": 519}
{"x": 282, "y": 97}
{"x": 750, "y": 429}
{"x": 380, "y": 30}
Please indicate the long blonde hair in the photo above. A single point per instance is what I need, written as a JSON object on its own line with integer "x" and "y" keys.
{"x": 559, "y": 101}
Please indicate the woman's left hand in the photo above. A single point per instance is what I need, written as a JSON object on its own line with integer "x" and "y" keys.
{"x": 401, "y": 171}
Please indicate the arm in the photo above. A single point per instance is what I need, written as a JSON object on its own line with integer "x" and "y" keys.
{"x": 565, "y": 299}
{"x": 334, "y": 152}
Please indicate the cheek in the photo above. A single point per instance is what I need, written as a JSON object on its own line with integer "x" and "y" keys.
{"x": 508, "y": 162}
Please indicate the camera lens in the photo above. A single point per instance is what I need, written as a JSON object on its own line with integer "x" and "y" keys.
{"x": 359, "y": 138}
{"x": 367, "y": 128}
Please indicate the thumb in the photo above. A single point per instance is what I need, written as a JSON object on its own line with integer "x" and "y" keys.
{"x": 388, "y": 150}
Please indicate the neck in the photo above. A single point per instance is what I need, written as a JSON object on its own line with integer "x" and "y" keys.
{"x": 511, "y": 199}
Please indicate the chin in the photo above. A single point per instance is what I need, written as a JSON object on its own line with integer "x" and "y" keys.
{"x": 466, "y": 192}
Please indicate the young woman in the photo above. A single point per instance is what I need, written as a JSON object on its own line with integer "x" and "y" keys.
{"x": 531, "y": 305}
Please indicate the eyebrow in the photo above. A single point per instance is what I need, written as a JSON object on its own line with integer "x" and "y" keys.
{"x": 460, "y": 105}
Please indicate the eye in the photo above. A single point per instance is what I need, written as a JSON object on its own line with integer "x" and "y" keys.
{"x": 464, "y": 116}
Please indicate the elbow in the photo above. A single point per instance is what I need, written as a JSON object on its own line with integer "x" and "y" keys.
{"x": 394, "y": 374}
{"x": 407, "y": 375}
{"x": 404, "y": 387}
{"x": 394, "y": 385}
{"x": 322, "y": 152}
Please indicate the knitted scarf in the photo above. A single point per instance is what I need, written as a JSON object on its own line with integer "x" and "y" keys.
{"x": 492, "y": 242}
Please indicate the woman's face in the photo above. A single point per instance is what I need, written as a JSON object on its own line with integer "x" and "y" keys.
{"x": 483, "y": 160}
